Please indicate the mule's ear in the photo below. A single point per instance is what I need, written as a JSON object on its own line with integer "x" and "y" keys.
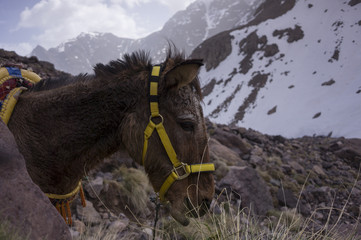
{"x": 183, "y": 74}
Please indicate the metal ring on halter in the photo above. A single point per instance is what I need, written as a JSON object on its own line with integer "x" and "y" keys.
{"x": 159, "y": 116}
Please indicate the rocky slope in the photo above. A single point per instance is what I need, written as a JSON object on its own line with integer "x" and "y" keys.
{"x": 186, "y": 29}
{"x": 42, "y": 68}
{"x": 293, "y": 70}
{"x": 316, "y": 176}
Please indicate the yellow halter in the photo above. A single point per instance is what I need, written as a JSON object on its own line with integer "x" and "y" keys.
{"x": 180, "y": 170}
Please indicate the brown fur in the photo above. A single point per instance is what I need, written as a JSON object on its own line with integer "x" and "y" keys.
{"x": 64, "y": 126}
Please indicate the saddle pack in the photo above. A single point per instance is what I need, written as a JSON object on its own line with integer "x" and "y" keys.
{"x": 13, "y": 81}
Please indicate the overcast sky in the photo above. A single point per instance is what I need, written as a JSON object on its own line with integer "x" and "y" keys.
{"x": 27, "y": 23}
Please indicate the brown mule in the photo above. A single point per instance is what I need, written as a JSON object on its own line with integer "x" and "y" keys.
{"x": 63, "y": 126}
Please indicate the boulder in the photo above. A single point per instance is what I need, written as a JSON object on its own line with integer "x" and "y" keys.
{"x": 232, "y": 141}
{"x": 94, "y": 187}
{"x": 219, "y": 151}
{"x": 88, "y": 214}
{"x": 350, "y": 152}
{"x": 250, "y": 188}
{"x": 23, "y": 206}
{"x": 286, "y": 198}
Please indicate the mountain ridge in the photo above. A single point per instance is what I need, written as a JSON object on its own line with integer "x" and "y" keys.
{"x": 186, "y": 29}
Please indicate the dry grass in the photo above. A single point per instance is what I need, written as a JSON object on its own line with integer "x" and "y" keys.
{"x": 231, "y": 223}
{"x": 225, "y": 221}
{"x": 134, "y": 186}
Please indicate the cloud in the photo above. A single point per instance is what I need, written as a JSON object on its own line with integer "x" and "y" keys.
{"x": 22, "y": 48}
{"x": 176, "y": 5}
{"x": 60, "y": 20}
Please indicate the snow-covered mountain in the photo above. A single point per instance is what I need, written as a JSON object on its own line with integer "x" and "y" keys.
{"x": 294, "y": 70}
{"x": 186, "y": 29}
{"x": 80, "y": 54}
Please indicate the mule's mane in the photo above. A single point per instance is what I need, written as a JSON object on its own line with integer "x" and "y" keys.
{"x": 134, "y": 62}
{"x": 57, "y": 82}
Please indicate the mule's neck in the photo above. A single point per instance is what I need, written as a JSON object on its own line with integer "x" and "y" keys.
{"x": 73, "y": 128}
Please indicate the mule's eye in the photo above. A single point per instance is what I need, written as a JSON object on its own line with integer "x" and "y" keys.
{"x": 187, "y": 126}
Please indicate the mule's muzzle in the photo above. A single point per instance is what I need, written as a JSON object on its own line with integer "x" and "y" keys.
{"x": 197, "y": 211}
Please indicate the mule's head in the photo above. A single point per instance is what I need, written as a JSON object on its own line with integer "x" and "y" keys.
{"x": 179, "y": 104}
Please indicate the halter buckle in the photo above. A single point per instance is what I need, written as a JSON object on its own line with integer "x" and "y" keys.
{"x": 182, "y": 167}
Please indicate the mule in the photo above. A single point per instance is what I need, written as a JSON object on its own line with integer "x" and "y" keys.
{"x": 64, "y": 126}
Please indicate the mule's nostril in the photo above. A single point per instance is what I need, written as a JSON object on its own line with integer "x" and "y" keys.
{"x": 207, "y": 203}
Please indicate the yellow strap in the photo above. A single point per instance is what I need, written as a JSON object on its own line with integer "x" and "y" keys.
{"x": 164, "y": 139}
{"x": 156, "y": 70}
{"x": 153, "y": 91}
{"x": 204, "y": 167}
{"x": 147, "y": 133}
{"x": 166, "y": 185}
{"x": 9, "y": 104}
{"x": 65, "y": 196}
{"x": 167, "y": 145}
{"x": 154, "y": 110}
{"x": 195, "y": 168}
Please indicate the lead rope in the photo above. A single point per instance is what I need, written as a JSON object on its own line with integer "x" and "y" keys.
{"x": 157, "y": 207}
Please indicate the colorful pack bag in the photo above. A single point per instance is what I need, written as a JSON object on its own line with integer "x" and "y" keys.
{"x": 13, "y": 81}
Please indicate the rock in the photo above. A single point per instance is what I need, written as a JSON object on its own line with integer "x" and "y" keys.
{"x": 74, "y": 234}
{"x": 318, "y": 170}
{"x": 78, "y": 226}
{"x": 148, "y": 231}
{"x": 220, "y": 151}
{"x": 232, "y": 141}
{"x": 42, "y": 68}
{"x": 257, "y": 151}
{"x": 254, "y": 136}
{"x": 118, "y": 226}
{"x": 221, "y": 168}
{"x": 88, "y": 214}
{"x": 108, "y": 176}
{"x": 94, "y": 187}
{"x": 249, "y": 187}
{"x": 23, "y": 205}
{"x": 275, "y": 182}
{"x": 286, "y": 198}
{"x": 296, "y": 166}
{"x": 319, "y": 195}
{"x": 256, "y": 160}
{"x": 286, "y": 169}
{"x": 351, "y": 152}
